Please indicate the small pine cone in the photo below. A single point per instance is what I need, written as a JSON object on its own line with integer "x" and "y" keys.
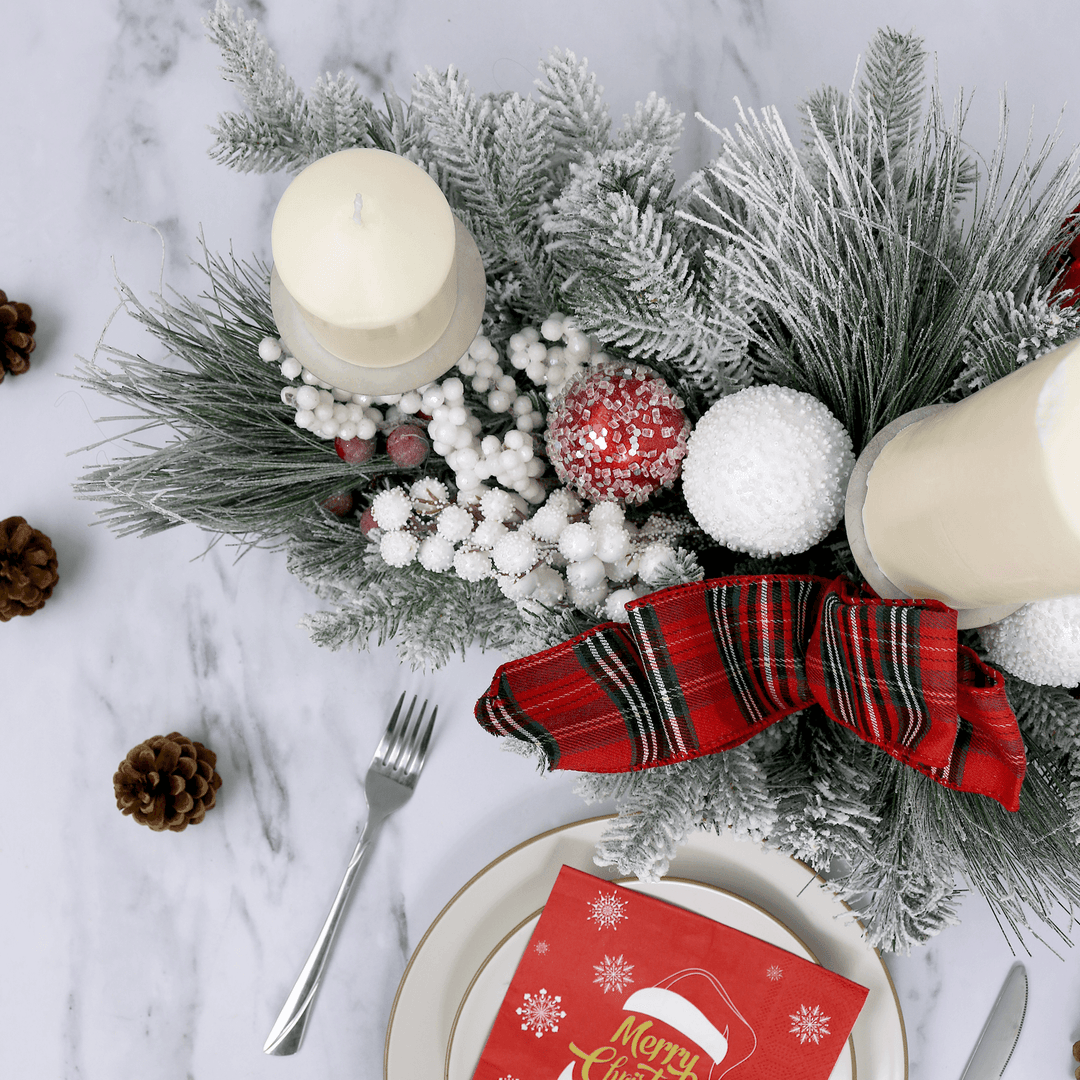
{"x": 16, "y": 336}
{"x": 27, "y": 568}
{"x": 167, "y": 782}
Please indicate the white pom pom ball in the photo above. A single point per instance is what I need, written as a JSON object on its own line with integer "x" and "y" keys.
{"x": 472, "y": 565}
{"x": 615, "y": 605}
{"x": 497, "y": 505}
{"x": 766, "y": 471}
{"x": 398, "y": 548}
{"x": 653, "y": 560}
{"x": 550, "y": 585}
{"x": 427, "y": 493}
{"x": 269, "y": 349}
{"x": 436, "y": 554}
{"x": 586, "y": 574}
{"x": 577, "y": 542}
{"x": 514, "y": 553}
{"x": 391, "y": 509}
{"x": 548, "y": 522}
{"x": 612, "y": 542}
{"x": 1039, "y": 643}
{"x": 455, "y": 523}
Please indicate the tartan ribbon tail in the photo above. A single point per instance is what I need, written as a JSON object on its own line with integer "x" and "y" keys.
{"x": 701, "y": 668}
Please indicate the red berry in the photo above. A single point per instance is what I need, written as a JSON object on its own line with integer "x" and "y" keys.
{"x": 367, "y": 521}
{"x": 354, "y": 451}
{"x": 1068, "y": 259}
{"x": 407, "y": 446}
{"x": 617, "y": 433}
{"x": 340, "y": 504}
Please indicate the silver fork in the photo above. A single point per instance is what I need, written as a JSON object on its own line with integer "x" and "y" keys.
{"x": 390, "y": 781}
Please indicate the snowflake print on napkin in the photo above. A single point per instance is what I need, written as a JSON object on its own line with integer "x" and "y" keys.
{"x": 540, "y": 1013}
{"x": 607, "y": 910}
{"x": 613, "y": 974}
{"x": 810, "y": 1024}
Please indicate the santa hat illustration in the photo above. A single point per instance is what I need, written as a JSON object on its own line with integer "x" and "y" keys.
{"x": 694, "y": 1002}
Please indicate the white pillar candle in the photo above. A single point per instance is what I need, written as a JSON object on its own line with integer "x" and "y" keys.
{"x": 979, "y": 504}
{"x": 364, "y": 242}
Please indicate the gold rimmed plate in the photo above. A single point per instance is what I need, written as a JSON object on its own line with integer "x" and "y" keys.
{"x": 512, "y": 888}
{"x": 485, "y": 994}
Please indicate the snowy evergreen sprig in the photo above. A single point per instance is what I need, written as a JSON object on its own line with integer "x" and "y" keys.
{"x": 281, "y": 127}
{"x": 429, "y": 617}
{"x": 632, "y": 274}
{"x": 1006, "y": 334}
{"x": 227, "y": 456}
{"x": 869, "y": 250}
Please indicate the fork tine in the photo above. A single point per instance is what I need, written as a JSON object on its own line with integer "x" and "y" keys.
{"x": 409, "y": 741}
{"x": 421, "y": 754}
{"x": 401, "y": 743}
{"x": 388, "y": 735}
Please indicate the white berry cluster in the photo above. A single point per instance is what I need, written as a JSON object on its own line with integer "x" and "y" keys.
{"x": 766, "y": 471}
{"x": 323, "y": 409}
{"x": 1039, "y": 643}
{"x": 566, "y": 352}
{"x": 455, "y": 432}
{"x": 564, "y": 554}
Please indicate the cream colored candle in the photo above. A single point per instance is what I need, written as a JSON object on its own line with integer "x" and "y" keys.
{"x": 979, "y": 504}
{"x": 364, "y": 242}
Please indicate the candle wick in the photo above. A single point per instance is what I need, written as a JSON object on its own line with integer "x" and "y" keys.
{"x": 358, "y": 205}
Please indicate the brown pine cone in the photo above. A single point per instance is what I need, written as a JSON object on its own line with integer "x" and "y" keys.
{"x": 27, "y": 568}
{"x": 16, "y": 336}
{"x": 167, "y": 782}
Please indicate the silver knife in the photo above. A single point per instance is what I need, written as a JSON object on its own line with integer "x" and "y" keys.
{"x": 1001, "y": 1030}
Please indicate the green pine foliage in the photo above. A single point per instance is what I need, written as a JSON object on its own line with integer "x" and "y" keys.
{"x": 869, "y": 250}
{"x": 226, "y": 454}
{"x": 429, "y": 617}
{"x": 491, "y": 161}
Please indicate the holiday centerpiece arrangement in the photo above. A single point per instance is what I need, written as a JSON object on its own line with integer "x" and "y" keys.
{"x": 509, "y": 384}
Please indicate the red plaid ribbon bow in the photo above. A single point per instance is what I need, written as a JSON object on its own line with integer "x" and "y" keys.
{"x": 701, "y": 668}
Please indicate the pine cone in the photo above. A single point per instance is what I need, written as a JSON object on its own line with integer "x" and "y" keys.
{"x": 167, "y": 782}
{"x": 16, "y": 336}
{"x": 27, "y": 568}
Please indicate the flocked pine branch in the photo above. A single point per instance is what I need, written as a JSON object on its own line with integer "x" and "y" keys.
{"x": 629, "y": 277}
{"x": 429, "y": 617}
{"x": 573, "y": 99}
{"x": 491, "y": 156}
{"x": 281, "y": 128}
{"x": 228, "y": 457}
{"x": 1006, "y": 334}
{"x": 866, "y": 279}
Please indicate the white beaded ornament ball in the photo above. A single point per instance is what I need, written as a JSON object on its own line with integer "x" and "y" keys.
{"x": 1039, "y": 643}
{"x": 766, "y": 471}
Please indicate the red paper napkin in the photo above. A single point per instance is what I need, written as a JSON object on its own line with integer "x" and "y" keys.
{"x": 615, "y": 985}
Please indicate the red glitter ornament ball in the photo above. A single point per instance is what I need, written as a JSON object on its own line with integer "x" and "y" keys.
{"x": 617, "y": 432}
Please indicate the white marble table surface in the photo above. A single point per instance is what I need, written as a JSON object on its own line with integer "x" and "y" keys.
{"x": 129, "y": 954}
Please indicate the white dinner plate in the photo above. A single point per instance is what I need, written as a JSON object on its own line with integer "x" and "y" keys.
{"x": 484, "y": 996}
{"x": 515, "y": 885}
